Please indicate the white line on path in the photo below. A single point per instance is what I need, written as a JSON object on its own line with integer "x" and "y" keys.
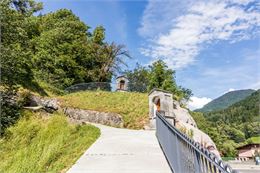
{"x": 123, "y": 151}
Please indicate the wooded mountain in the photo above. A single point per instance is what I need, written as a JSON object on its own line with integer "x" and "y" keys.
{"x": 233, "y": 126}
{"x": 226, "y": 100}
{"x": 246, "y": 110}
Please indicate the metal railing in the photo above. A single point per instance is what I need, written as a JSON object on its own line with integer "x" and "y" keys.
{"x": 91, "y": 86}
{"x": 184, "y": 155}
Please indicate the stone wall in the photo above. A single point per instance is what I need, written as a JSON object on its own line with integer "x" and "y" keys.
{"x": 105, "y": 118}
{"x": 182, "y": 114}
{"x": 51, "y": 105}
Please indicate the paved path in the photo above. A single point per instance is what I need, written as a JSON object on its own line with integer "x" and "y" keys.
{"x": 123, "y": 151}
{"x": 245, "y": 168}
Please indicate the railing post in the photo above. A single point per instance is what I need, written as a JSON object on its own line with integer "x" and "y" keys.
{"x": 178, "y": 156}
{"x": 197, "y": 162}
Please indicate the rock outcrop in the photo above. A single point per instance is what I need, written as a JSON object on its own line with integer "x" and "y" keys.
{"x": 182, "y": 114}
{"x": 185, "y": 121}
{"x": 105, "y": 118}
{"x": 199, "y": 136}
{"x": 50, "y": 105}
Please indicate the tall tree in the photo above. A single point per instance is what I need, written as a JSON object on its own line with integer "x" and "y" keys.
{"x": 138, "y": 79}
{"x": 157, "y": 75}
{"x": 98, "y": 35}
{"x": 60, "y": 49}
{"x": 106, "y": 60}
{"x": 15, "y": 39}
{"x": 15, "y": 56}
{"x": 112, "y": 61}
{"x": 162, "y": 77}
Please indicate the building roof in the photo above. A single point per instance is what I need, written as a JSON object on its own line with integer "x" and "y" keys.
{"x": 122, "y": 76}
{"x": 240, "y": 147}
{"x": 251, "y": 141}
{"x": 157, "y": 89}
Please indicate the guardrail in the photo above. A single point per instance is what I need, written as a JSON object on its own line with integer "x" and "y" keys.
{"x": 105, "y": 86}
{"x": 184, "y": 155}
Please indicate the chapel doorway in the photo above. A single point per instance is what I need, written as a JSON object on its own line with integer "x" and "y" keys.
{"x": 122, "y": 85}
{"x": 158, "y": 105}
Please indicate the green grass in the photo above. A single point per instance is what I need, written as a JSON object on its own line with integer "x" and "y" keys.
{"x": 40, "y": 144}
{"x": 132, "y": 106}
{"x": 254, "y": 140}
{"x": 49, "y": 89}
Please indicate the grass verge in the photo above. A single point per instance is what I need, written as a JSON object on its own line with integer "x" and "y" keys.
{"x": 40, "y": 144}
{"x": 132, "y": 106}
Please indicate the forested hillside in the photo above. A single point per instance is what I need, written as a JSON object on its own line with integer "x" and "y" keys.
{"x": 246, "y": 110}
{"x": 233, "y": 126}
{"x": 226, "y": 100}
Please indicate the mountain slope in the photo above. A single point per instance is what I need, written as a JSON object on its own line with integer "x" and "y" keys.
{"x": 226, "y": 100}
{"x": 233, "y": 126}
{"x": 246, "y": 110}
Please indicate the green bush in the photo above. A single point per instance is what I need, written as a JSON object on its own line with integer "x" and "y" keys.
{"x": 10, "y": 110}
{"x": 229, "y": 148}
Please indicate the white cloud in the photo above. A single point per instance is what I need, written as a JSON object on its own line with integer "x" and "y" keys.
{"x": 198, "y": 102}
{"x": 177, "y": 32}
{"x": 231, "y": 89}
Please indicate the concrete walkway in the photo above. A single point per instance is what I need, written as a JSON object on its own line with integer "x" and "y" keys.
{"x": 123, "y": 151}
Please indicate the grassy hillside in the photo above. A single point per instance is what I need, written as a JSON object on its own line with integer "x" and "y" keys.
{"x": 132, "y": 106}
{"x": 41, "y": 144}
{"x": 254, "y": 140}
{"x": 226, "y": 100}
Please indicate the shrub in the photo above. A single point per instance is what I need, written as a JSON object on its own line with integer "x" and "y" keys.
{"x": 10, "y": 110}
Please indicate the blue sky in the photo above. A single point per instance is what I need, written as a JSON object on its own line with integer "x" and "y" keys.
{"x": 212, "y": 44}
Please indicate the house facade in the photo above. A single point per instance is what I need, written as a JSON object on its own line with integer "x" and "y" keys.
{"x": 248, "y": 151}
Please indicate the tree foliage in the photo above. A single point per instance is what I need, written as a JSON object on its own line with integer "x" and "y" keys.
{"x": 138, "y": 79}
{"x": 59, "y": 48}
{"x": 55, "y": 48}
{"x": 10, "y": 110}
{"x": 67, "y": 53}
{"x": 15, "y": 40}
{"x": 162, "y": 77}
{"x": 157, "y": 75}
